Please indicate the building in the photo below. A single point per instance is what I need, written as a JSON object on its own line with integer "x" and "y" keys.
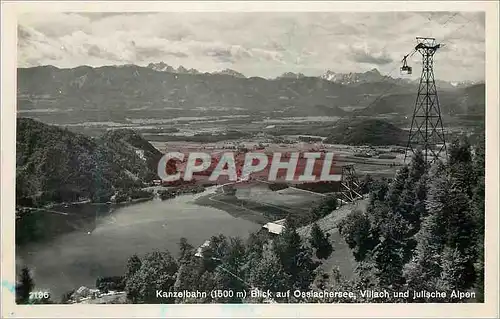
{"x": 199, "y": 251}
{"x": 275, "y": 227}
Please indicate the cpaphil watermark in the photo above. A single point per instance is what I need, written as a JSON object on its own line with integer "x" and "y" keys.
{"x": 233, "y": 166}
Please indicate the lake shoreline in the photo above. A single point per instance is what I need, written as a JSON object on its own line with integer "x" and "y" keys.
{"x": 100, "y": 246}
{"x": 233, "y": 210}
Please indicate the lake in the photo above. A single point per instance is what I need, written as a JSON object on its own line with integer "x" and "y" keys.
{"x": 76, "y": 259}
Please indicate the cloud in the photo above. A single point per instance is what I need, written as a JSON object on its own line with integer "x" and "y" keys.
{"x": 22, "y": 34}
{"x": 225, "y": 54}
{"x": 148, "y": 51}
{"x": 364, "y": 55}
{"x": 256, "y": 44}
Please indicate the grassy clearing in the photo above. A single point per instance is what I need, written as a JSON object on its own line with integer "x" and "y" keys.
{"x": 237, "y": 210}
{"x": 342, "y": 256}
{"x": 260, "y": 204}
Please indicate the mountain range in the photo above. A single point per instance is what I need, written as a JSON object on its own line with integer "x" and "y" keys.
{"x": 117, "y": 92}
{"x": 352, "y": 78}
{"x": 370, "y": 76}
{"x": 163, "y": 67}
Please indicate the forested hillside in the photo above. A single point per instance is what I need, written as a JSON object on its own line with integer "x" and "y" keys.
{"x": 371, "y": 132}
{"x": 425, "y": 229}
{"x": 56, "y": 165}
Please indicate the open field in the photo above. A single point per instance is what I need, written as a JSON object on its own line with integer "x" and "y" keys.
{"x": 344, "y": 154}
{"x": 342, "y": 256}
{"x": 259, "y": 204}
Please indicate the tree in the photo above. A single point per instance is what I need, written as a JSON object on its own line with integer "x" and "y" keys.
{"x": 185, "y": 249}
{"x": 397, "y": 187}
{"x": 478, "y": 215}
{"x": 290, "y": 222}
{"x": 424, "y": 231}
{"x": 330, "y": 281}
{"x": 459, "y": 152}
{"x": 366, "y": 184}
{"x": 269, "y": 272}
{"x": 461, "y": 166}
{"x": 320, "y": 242}
{"x": 207, "y": 282}
{"x": 222, "y": 267}
{"x": 190, "y": 269}
{"x": 24, "y": 286}
{"x": 365, "y": 277}
{"x": 158, "y": 271}
{"x": 420, "y": 199}
{"x": 379, "y": 190}
{"x": 417, "y": 168}
{"x": 450, "y": 205}
{"x": 253, "y": 250}
{"x": 454, "y": 270}
{"x": 422, "y": 272}
{"x": 327, "y": 205}
{"x": 460, "y": 223}
{"x": 437, "y": 201}
{"x": 295, "y": 258}
{"x": 479, "y": 267}
{"x": 479, "y": 160}
{"x": 133, "y": 265}
{"x": 388, "y": 257}
{"x": 356, "y": 230}
{"x": 391, "y": 230}
{"x": 414, "y": 191}
{"x": 188, "y": 278}
{"x": 230, "y": 269}
{"x": 105, "y": 284}
{"x": 448, "y": 230}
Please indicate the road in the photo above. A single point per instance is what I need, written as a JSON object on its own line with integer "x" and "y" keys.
{"x": 45, "y": 210}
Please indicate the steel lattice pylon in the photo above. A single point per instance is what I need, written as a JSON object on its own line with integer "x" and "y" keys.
{"x": 349, "y": 186}
{"x": 426, "y": 132}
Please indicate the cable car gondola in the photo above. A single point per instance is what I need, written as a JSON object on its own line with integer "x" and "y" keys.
{"x": 405, "y": 69}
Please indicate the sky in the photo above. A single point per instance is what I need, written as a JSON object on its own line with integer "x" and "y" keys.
{"x": 256, "y": 44}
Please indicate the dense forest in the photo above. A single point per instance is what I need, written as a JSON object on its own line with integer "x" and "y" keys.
{"x": 56, "y": 165}
{"x": 423, "y": 230}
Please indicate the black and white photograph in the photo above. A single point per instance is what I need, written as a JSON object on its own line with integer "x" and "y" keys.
{"x": 250, "y": 157}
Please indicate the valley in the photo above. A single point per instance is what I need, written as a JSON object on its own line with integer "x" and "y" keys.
{"x": 95, "y": 136}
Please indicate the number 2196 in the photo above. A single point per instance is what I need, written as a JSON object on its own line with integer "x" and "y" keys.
{"x": 39, "y": 295}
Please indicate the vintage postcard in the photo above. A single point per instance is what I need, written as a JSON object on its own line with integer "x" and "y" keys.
{"x": 243, "y": 159}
